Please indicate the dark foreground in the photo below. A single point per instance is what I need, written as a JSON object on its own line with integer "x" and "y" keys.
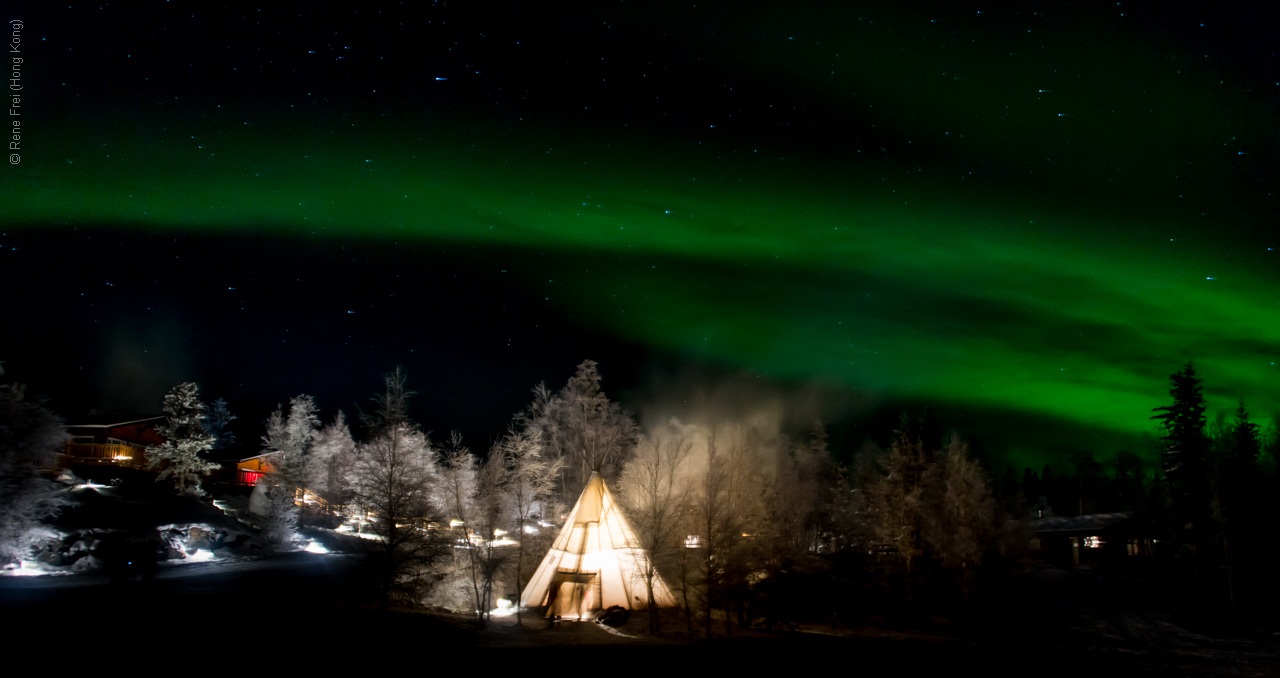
{"x": 298, "y": 611}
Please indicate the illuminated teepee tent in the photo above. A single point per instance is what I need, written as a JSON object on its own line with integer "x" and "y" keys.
{"x": 594, "y": 563}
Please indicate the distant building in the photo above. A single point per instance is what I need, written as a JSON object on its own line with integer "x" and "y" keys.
{"x": 115, "y": 441}
{"x": 1096, "y": 539}
{"x": 250, "y": 469}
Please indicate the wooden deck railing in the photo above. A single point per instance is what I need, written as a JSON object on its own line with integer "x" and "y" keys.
{"x": 119, "y": 455}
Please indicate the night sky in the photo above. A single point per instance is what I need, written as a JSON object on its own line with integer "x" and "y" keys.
{"x": 1024, "y": 220}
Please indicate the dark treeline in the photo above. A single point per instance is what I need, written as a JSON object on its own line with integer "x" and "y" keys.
{"x": 1211, "y": 487}
{"x": 1084, "y": 485}
{"x": 1220, "y": 497}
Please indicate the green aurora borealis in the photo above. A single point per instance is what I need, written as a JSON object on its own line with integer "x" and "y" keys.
{"x": 1066, "y": 289}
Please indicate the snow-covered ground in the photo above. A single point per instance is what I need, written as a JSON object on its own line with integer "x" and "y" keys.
{"x": 124, "y": 529}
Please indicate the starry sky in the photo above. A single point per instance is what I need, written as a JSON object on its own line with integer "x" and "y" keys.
{"x": 1024, "y": 220}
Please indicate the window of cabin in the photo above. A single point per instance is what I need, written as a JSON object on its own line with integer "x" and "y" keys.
{"x": 1141, "y": 547}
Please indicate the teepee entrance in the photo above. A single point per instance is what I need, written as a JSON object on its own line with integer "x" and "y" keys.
{"x": 573, "y": 596}
{"x": 594, "y": 563}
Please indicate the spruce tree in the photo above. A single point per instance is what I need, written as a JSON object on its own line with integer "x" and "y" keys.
{"x": 1246, "y": 437}
{"x": 1239, "y": 481}
{"x": 216, "y": 421}
{"x": 1185, "y": 446}
{"x": 185, "y": 438}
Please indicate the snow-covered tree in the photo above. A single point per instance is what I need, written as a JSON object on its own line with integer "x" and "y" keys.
{"x": 458, "y": 483}
{"x": 686, "y": 559}
{"x": 392, "y": 478}
{"x": 332, "y": 454}
{"x": 185, "y": 439}
{"x": 801, "y": 499}
{"x": 491, "y": 509}
{"x": 477, "y": 495}
{"x": 582, "y": 426}
{"x": 287, "y": 441}
{"x": 894, "y": 502}
{"x": 784, "y": 508}
{"x": 726, "y": 502}
{"x": 531, "y": 480}
{"x": 814, "y": 469}
{"x": 960, "y": 517}
{"x": 597, "y": 431}
{"x": 654, "y": 494}
{"x": 30, "y": 436}
{"x": 216, "y": 422}
{"x": 281, "y": 521}
{"x": 841, "y": 509}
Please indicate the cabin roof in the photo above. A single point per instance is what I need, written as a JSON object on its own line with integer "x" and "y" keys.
{"x": 1091, "y": 523}
{"x": 256, "y": 456}
{"x": 111, "y": 421}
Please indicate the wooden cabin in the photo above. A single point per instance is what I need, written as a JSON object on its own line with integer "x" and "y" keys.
{"x": 111, "y": 443}
{"x": 250, "y": 469}
{"x": 1111, "y": 540}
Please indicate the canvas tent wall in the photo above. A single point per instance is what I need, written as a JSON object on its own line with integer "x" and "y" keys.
{"x": 594, "y": 563}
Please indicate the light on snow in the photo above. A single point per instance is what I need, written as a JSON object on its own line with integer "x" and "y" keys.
{"x": 200, "y": 556}
{"x": 23, "y": 571}
{"x": 505, "y": 608}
